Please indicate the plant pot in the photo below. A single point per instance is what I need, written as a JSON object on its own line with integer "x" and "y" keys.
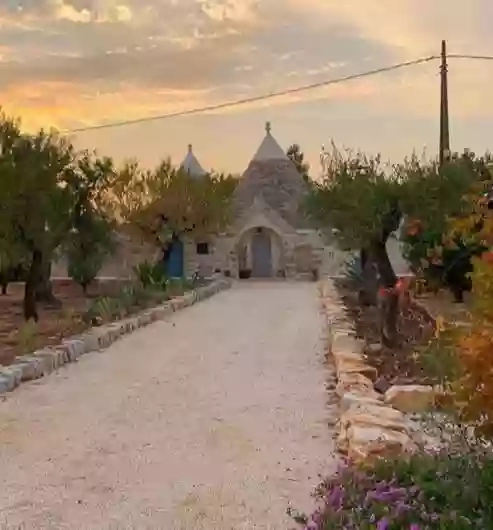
{"x": 244, "y": 274}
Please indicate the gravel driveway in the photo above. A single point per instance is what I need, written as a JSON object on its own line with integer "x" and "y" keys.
{"x": 216, "y": 419}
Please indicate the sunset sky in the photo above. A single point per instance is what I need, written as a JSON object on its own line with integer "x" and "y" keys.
{"x": 75, "y": 63}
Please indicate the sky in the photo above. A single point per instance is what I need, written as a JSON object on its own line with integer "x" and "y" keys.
{"x": 77, "y": 63}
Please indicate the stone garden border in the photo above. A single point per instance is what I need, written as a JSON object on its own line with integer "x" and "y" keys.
{"x": 45, "y": 361}
{"x": 371, "y": 425}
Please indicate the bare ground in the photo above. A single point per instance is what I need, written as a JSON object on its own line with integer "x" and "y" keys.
{"x": 401, "y": 364}
{"x": 217, "y": 419}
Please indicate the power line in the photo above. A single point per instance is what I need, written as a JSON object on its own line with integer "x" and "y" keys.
{"x": 475, "y": 57}
{"x": 254, "y": 99}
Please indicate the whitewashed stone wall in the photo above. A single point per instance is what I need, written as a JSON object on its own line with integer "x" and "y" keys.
{"x": 335, "y": 259}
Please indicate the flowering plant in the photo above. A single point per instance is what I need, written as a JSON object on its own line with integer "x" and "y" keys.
{"x": 432, "y": 491}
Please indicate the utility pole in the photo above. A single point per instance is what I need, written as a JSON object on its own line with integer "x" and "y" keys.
{"x": 444, "y": 154}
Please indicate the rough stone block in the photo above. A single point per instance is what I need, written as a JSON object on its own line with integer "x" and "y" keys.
{"x": 189, "y": 298}
{"x": 50, "y": 359}
{"x": 117, "y": 329}
{"x": 127, "y": 325}
{"x": 375, "y": 415}
{"x": 349, "y": 400}
{"x": 134, "y": 323}
{"x": 410, "y": 398}
{"x": 75, "y": 348}
{"x": 178, "y": 303}
{"x": 350, "y": 365}
{"x": 32, "y": 367}
{"x": 90, "y": 341}
{"x": 346, "y": 343}
{"x": 62, "y": 356}
{"x": 145, "y": 319}
{"x": 355, "y": 383}
{"x": 368, "y": 443}
{"x": 163, "y": 311}
{"x": 107, "y": 335}
{"x": 8, "y": 380}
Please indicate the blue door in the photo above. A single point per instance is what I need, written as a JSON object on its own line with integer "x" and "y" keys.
{"x": 261, "y": 255}
{"x": 175, "y": 261}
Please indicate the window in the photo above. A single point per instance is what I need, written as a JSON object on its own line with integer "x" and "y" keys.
{"x": 202, "y": 248}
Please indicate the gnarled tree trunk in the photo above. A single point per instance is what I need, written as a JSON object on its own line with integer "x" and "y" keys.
{"x": 44, "y": 288}
{"x": 369, "y": 289}
{"x": 389, "y": 301}
{"x": 32, "y": 281}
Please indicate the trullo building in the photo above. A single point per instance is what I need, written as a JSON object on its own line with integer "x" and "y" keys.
{"x": 269, "y": 236}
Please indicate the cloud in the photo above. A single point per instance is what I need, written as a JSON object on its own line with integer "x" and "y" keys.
{"x": 409, "y": 27}
{"x": 66, "y": 11}
{"x": 244, "y": 11}
{"x": 72, "y": 62}
{"x": 75, "y": 11}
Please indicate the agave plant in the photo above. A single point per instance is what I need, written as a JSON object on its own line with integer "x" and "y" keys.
{"x": 353, "y": 272}
{"x": 151, "y": 275}
{"x": 103, "y": 310}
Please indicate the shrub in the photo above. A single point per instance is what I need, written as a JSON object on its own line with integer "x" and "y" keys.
{"x": 432, "y": 196}
{"x": 474, "y": 389}
{"x": 151, "y": 275}
{"x": 26, "y": 337}
{"x": 86, "y": 252}
{"x": 440, "y": 261}
{"x": 353, "y": 273}
{"x": 440, "y": 490}
{"x": 102, "y": 310}
{"x": 129, "y": 300}
{"x": 473, "y": 382}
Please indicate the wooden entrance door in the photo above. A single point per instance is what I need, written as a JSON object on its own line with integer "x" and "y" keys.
{"x": 261, "y": 255}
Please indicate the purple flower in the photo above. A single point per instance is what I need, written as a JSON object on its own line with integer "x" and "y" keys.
{"x": 414, "y": 526}
{"x": 335, "y": 497}
{"x": 383, "y": 524}
{"x": 402, "y": 508}
{"x": 392, "y": 494}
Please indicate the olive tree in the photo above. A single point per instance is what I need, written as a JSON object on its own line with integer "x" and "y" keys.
{"x": 359, "y": 202}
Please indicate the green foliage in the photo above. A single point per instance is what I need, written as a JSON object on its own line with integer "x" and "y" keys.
{"x": 91, "y": 238}
{"x": 130, "y": 299}
{"x": 134, "y": 296}
{"x": 162, "y": 205}
{"x": 36, "y": 202}
{"x": 296, "y": 155}
{"x": 431, "y": 197}
{"x": 87, "y": 250}
{"x": 151, "y": 275}
{"x": 447, "y": 489}
{"x": 26, "y": 337}
{"x": 439, "y": 355}
{"x": 354, "y": 201}
{"x": 103, "y": 310}
{"x": 178, "y": 286}
{"x": 353, "y": 273}
{"x": 360, "y": 205}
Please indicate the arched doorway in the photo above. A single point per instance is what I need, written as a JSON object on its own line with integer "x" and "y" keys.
{"x": 261, "y": 254}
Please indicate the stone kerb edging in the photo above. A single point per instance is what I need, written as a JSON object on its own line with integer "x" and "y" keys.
{"x": 45, "y": 361}
{"x": 371, "y": 425}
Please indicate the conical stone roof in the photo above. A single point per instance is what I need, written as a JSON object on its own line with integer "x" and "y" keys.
{"x": 191, "y": 165}
{"x": 269, "y": 149}
{"x": 272, "y": 176}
